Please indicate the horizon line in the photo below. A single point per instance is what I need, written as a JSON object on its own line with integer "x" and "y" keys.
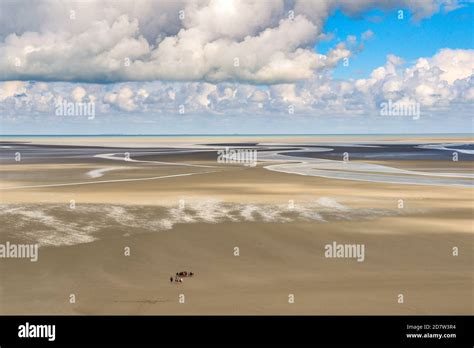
{"x": 232, "y": 134}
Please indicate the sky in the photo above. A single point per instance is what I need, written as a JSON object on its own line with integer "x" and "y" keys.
{"x": 236, "y": 67}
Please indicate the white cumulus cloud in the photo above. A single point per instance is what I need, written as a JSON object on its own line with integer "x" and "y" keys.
{"x": 102, "y": 41}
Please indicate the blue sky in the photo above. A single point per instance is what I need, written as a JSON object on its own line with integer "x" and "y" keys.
{"x": 407, "y": 38}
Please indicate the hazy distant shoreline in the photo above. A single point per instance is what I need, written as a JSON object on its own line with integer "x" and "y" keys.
{"x": 241, "y": 135}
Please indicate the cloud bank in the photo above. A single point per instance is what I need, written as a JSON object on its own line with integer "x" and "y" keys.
{"x": 258, "y": 42}
{"x": 436, "y": 82}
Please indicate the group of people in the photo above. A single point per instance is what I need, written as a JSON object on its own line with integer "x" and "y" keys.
{"x": 178, "y": 278}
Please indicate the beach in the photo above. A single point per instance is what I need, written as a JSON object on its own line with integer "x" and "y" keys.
{"x": 113, "y": 228}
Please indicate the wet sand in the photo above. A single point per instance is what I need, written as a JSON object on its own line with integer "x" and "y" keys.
{"x": 408, "y": 249}
{"x": 176, "y": 140}
{"x": 275, "y": 261}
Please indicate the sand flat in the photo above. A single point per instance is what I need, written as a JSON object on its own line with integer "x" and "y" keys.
{"x": 280, "y": 222}
{"x": 275, "y": 261}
